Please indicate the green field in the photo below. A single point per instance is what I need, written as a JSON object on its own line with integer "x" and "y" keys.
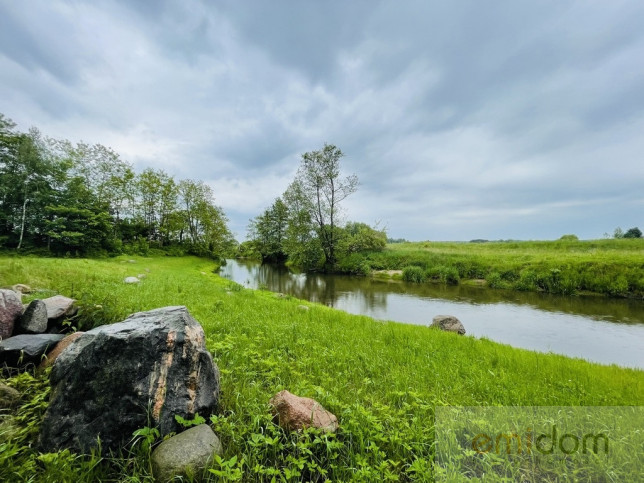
{"x": 612, "y": 267}
{"x": 382, "y": 380}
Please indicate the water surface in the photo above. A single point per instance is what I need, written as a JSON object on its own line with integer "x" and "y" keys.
{"x": 609, "y": 331}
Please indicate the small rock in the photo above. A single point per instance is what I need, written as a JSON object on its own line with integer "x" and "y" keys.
{"x": 147, "y": 270}
{"x": 8, "y": 397}
{"x": 295, "y": 413}
{"x": 59, "y": 306}
{"x": 10, "y": 310}
{"x": 60, "y": 347}
{"x": 34, "y": 320}
{"x": 26, "y": 348}
{"x": 448, "y": 323}
{"x": 21, "y": 288}
{"x": 303, "y": 307}
{"x": 186, "y": 455}
{"x": 141, "y": 276}
{"x": 280, "y": 295}
{"x": 131, "y": 261}
{"x": 131, "y": 280}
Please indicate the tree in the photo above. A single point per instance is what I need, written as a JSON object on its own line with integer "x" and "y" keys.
{"x": 619, "y": 233}
{"x": 633, "y": 233}
{"x": 319, "y": 182}
{"x": 268, "y": 231}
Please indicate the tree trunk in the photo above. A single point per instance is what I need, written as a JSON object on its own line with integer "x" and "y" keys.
{"x": 22, "y": 227}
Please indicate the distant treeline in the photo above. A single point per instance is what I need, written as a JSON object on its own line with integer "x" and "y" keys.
{"x": 80, "y": 199}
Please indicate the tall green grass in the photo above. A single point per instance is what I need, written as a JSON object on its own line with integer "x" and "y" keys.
{"x": 610, "y": 267}
{"x": 383, "y": 380}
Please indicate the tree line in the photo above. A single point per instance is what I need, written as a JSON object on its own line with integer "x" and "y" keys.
{"x": 83, "y": 199}
{"x": 304, "y": 226}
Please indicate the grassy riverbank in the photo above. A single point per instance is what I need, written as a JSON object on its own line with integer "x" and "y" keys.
{"x": 383, "y": 380}
{"x": 610, "y": 267}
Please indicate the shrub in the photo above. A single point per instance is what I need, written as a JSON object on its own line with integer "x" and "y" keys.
{"x": 413, "y": 274}
{"x": 569, "y": 238}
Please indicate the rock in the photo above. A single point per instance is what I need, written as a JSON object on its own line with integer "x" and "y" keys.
{"x": 10, "y": 310}
{"x": 121, "y": 377}
{"x": 295, "y": 413}
{"x": 303, "y": 307}
{"x": 141, "y": 276}
{"x": 131, "y": 280}
{"x": 187, "y": 454}
{"x": 448, "y": 323}
{"x": 60, "y": 347}
{"x": 25, "y": 348}
{"x": 21, "y": 288}
{"x": 59, "y": 306}
{"x": 34, "y": 319}
{"x": 9, "y": 397}
{"x": 131, "y": 261}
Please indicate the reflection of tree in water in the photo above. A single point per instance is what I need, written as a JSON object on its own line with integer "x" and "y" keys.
{"x": 368, "y": 296}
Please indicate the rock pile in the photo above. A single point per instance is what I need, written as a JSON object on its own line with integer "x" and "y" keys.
{"x": 27, "y": 333}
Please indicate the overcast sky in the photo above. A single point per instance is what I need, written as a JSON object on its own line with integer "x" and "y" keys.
{"x": 462, "y": 119}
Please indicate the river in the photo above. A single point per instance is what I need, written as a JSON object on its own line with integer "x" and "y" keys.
{"x": 598, "y": 329}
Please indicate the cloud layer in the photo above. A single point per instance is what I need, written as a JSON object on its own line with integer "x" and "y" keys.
{"x": 462, "y": 119}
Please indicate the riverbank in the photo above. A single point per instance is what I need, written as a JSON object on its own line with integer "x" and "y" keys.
{"x": 383, "y": 380}
{"x": 569, "y": 267}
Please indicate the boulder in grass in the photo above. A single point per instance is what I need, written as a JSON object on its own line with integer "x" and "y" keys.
{"x": 59, "y": 306}
{"x": 295, "y": 413}
{"x": 34, "y": 320}
{"x": 21, "y": 349}
{"x": 121, "y": 377}
{"x": 185, "y": 455}
{"x": 21, "y": 288}
{"x": 9, "y": 397}
{"x": 448, "y": 323}
{"x": 10, "y": 311}
{"x": 131, "y": 280}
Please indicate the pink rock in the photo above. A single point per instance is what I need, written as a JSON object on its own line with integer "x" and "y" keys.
{"x": 60, "y": 347}
{"x": 10, "y": 310}
{"x": 295, "y": 413}
{"x": 58, "y": 306}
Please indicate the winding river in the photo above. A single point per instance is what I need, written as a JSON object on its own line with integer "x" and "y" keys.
{"x": 608, "y": 331}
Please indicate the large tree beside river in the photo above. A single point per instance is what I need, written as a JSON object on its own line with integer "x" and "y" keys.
{"x": 305, "y": 224}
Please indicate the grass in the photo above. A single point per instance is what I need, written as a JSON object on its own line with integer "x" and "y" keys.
{"x": 383, "y": 380}
{"x": 610, "y": 267}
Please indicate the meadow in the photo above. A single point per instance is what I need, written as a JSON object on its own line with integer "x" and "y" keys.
{"x": 383, "y": 380}
{"x": 613, "y": 267}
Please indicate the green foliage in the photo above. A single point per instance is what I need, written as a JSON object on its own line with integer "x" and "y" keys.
{"x": 383, "y": 380}
{"x": 611, "y": 267}
{"x": 83, "y": 199}
{"x": 633, "y": 233}
{"x": 569, "y": 238}
{"x": 414, "y": 274}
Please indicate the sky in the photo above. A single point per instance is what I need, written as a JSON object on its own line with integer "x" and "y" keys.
{"x": 462, "y": 119}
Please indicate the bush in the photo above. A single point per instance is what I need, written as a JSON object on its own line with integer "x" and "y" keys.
{"x": 413, "y": 274}
{"x": 569, "y": 238}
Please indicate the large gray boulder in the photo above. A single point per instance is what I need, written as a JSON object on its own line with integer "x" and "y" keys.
{"x": 186, "y": 455}
{"x": 34, "y": 320}
{"x": 10, "y": 310}
{"x": 121, "y": 377}
{"x": 448, "y": 323}
{"x": 24, "y": 348}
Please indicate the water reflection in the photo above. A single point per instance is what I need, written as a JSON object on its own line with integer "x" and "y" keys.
{"x": 595, "y": 328}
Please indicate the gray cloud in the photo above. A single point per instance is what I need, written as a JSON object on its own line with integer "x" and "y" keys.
{"x": 462, "y": 119}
